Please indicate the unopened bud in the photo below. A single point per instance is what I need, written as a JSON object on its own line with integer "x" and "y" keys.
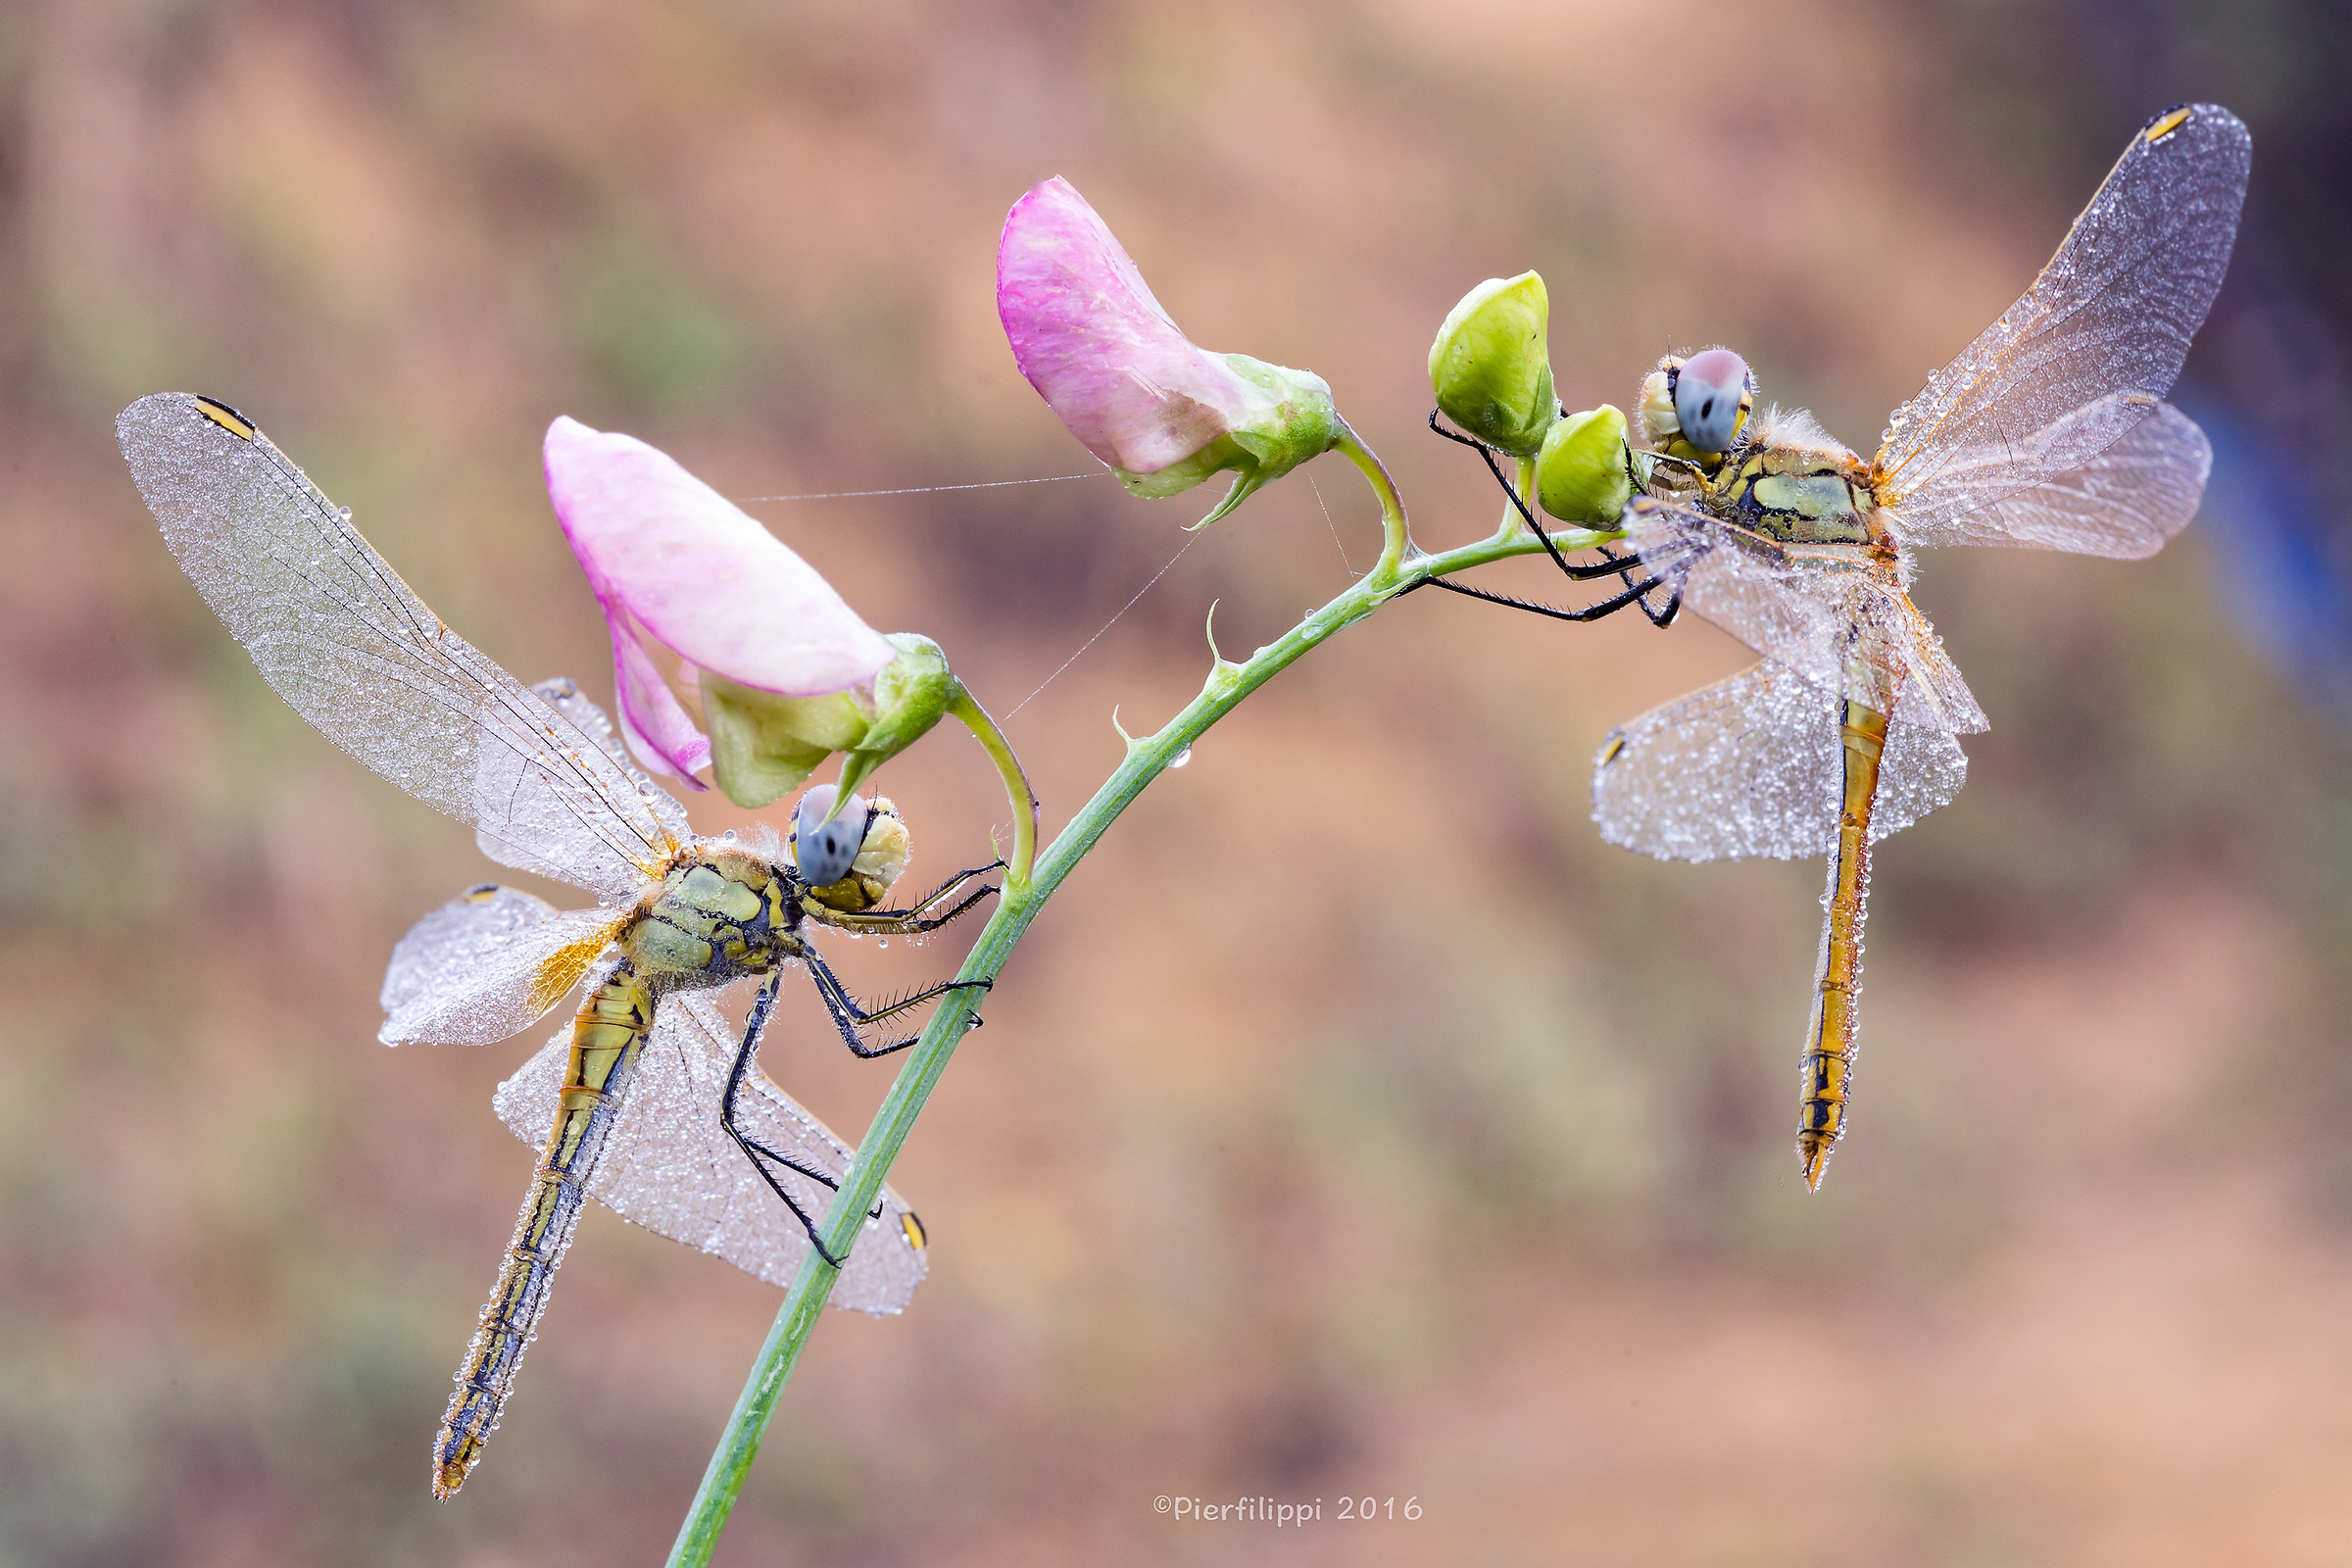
{"x": 1583, "y": 474}
{"x": 1491, "y": 367}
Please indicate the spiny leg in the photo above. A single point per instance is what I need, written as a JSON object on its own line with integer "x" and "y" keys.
{"x": 758, "y": 1152}
{"x": 1609, "y": 566}
{"x": 1610, "y": 563}
{"x": 905, "y": 922}
{"x": 851, "y": 1018}
{"x": 1635, "y": 593}
{"x": 939, "y": 893}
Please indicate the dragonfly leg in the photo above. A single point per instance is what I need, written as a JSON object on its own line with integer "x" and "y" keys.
{"x": 1633, "y": 595}
{"x": 1663, "y": 619}
{"x": 936, "y": 895}
{"x": 1610, "y": 564}
{"x": 853, "y": 1018}
{"x": 908, "y": 921}
{"x": 757, "y": 1152}
{"x": 1486, "y": 452}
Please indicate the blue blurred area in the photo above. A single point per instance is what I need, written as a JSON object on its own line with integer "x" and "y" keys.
{"x": 2271, "y": 377}
{"x": 2280, "y": 545}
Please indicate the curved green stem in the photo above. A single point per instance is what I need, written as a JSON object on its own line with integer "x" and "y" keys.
{"x": 1527, "y": 493}
{"x": 1228, "y": 683}
{"x": 965, "y": 705}
{"x": 1395, "y": 540}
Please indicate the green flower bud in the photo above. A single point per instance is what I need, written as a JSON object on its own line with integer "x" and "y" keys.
{"x": 1583, "y": 474}
{"x": 1491, "y": 367}
{"x": 763, "y": 745}
{"x": 1291, "y": 419}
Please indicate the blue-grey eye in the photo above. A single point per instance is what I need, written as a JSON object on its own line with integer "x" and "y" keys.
{"x": 824, "y": 852}
{"x": 1712, "y": 394}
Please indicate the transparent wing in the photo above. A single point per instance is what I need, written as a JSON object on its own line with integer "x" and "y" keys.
{"x": 2123, "y": 503}
{"x": 487, "y": 965}
{"x": 1753, "y": 767}
{"x": 338, "y": 635}
{"x": 563, "y": 695}
{"x": 2084, "y": 357}
{"x": 672, "y": 1168}
{"x": 1837, "y": 620}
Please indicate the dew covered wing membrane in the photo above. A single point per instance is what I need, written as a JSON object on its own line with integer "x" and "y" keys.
{"x": 1753, "y": 767}
{"x": 351, "y": 649}
{"x": 483, "y": 968}
{"x": 669, "y": 1166}
{"x": 2034, "y": 395}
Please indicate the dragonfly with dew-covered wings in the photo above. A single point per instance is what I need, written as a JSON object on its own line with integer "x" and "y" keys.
{"x": 2049, "y": 431}
{"x": 649, "y": 1101}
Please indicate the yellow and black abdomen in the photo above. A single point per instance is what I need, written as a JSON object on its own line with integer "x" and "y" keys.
{"x": 608, "y": 1035}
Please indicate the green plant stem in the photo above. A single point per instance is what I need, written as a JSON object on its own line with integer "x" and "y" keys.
{"x": 1394, "y": 540}
{"x": 1400, "y": 570}
{"x": 1021, "y": 868}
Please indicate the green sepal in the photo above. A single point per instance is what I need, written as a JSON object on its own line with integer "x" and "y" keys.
{"x": 1490, "y": 365}
{"x": 1303, "y": 424}
{"x": 1583, "y": 475}
{"x": 913, "y": 692}
{"x": 763, "y": 745}
{"x": 1177, "y": 477}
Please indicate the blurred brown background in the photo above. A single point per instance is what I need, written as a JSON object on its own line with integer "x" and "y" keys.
{"x": 1356, "y": 1123}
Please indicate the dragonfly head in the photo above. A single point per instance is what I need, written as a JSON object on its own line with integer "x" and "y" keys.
{"x": 1695, "y": 408}
{"x": 850, "y": 863}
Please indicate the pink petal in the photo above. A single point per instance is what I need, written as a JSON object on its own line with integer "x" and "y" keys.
{"x": 1090, "y": 337}
{"x": 653, "y": 722}
{"x": 702, "y": 577}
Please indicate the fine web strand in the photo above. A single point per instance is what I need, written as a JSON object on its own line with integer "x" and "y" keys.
{"x": 1106, "y": 626}
{"x": 926, "y": 489}
{"x": 1335, "y": 527}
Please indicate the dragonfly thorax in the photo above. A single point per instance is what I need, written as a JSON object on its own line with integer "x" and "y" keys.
{"x": 1794, "y": 484}
{"x": 721, "y": 912}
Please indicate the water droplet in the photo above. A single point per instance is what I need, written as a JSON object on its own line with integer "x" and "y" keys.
{"x": 729, "y": 836}
{"x": 884, "y": 943}
{"x": 1181, "y": 758}
{"x": 344, "y": 513}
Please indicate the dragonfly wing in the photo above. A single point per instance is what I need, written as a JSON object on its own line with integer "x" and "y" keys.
{"x": 2124, "y": 503}
{"x": 1841, "y": 626}
{"x": 563, "y": 696}
{"x": 672, "y": 1168}
{"x": 2090, "y": 350}
{"x": 1904, "y": 648}
{"x": 1744, "y": 584}
{"x": 1753, "y": 767}
{"x": 337, "y": 633}
{"x": 486, "y": 966}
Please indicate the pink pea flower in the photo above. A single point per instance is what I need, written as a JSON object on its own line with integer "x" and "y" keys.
{"x": 672, "y": 560}
{"x": 1164, "y": 413}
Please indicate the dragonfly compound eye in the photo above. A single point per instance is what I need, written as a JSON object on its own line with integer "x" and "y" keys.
{"x": 823, "y": 854}
{"x": 1712, "y": 394}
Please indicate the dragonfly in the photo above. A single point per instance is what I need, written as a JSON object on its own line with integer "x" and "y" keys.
{"x": 2049, "y": 431}
{"x": 649, "y": 1101}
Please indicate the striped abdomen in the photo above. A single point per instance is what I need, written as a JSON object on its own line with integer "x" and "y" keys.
{"x": 606, "y": 1036}
{"x": 1830, "y": 1043}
